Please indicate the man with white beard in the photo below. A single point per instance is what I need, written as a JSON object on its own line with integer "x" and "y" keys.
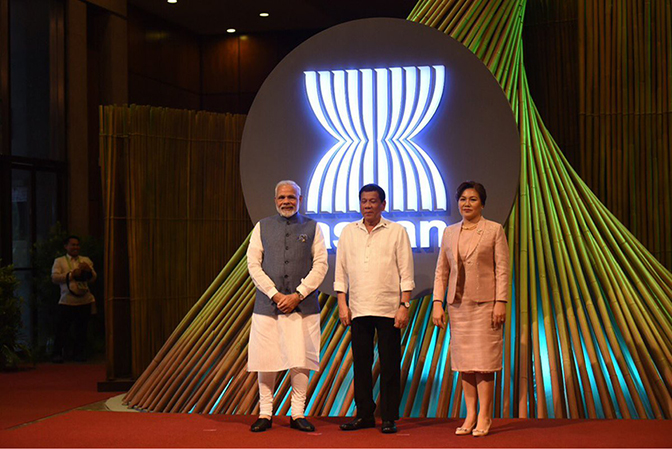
{"x": 287, "y": 260}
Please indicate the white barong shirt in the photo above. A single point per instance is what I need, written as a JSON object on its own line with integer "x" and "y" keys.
{"x": 374, "y": 268}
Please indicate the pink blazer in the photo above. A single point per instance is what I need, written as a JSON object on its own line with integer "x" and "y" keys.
{"x": 486, "y": 264}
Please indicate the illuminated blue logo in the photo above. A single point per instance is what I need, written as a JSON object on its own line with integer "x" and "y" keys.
{"x": 374, "y": 114}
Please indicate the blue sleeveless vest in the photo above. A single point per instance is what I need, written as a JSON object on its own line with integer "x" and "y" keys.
{"x": 287, "y": 259}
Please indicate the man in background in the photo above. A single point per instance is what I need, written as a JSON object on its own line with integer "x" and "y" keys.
{"x": 73, "y": 273}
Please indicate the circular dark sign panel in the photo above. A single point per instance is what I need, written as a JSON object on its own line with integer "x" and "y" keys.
{"x": 386, "y": 101}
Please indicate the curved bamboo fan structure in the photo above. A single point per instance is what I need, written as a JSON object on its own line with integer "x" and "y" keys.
{"x": 590, "y": 329}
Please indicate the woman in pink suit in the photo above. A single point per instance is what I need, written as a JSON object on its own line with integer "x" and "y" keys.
{"x": 473, "y": 268}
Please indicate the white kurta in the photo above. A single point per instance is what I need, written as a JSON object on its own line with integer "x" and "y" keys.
{"x": 282, "y": 342}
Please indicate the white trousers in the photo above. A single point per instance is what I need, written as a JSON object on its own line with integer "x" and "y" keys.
{"x": 299, "y": 379}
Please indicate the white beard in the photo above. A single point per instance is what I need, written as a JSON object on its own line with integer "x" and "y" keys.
{"x": 286, "y": 213}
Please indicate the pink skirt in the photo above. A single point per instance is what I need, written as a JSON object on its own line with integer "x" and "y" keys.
{"x": 475, "y": 346}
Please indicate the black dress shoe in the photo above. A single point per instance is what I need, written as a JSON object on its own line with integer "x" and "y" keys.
{"x": 388, "y": 427}
{"x": 301, "y": 424}
{"x": 261, "y": 424}
{"x": 359, "y": 423}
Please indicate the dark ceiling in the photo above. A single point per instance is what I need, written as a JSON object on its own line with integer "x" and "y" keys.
{"x": 215, "y": 16}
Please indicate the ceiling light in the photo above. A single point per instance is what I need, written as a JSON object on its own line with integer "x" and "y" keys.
{"x": 172, "y": 1}
{"x": 264, "y": 14}
{"x": 231, "y": 30}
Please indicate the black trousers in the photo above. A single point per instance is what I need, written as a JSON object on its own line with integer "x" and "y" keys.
{"x": 67, "y": 317}
{"x": 389, "y": 351}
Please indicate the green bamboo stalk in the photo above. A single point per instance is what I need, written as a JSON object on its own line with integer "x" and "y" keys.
{"x": 186, "y": 346}
{"x": 197, "y": 362}
{"x": 446, "y": 384}
{"x": 509, "y": 329}
{"x": 422, "y": 356}
{"x": 433, "y": 367}
{"x": 343, "y": 370}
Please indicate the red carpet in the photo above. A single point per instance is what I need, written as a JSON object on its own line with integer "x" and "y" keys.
{"x": 52, "y": 389}
{"x": 48, "y": 389}
{"x": 117, "y": 429}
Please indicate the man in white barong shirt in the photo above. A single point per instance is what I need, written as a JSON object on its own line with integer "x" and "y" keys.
{"x": 76, "y": 303}
{"x": 374, "y": 264}
{"x": 287, "y": 260}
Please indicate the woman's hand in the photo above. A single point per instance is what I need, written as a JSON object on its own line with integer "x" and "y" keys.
{"x": 438, "y": 315}
{"x": 499, "y": 314}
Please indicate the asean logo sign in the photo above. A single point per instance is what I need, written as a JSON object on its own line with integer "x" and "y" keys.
{"x": 374, "y": 114}
{"x": 386, "y": 101}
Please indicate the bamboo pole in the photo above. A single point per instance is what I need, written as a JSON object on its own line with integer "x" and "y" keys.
{"x": 422, "y": 356}
{"x": 432, "y": 370}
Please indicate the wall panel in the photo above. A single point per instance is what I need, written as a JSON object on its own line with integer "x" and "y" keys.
{"x": 235, "y": 67}
{"x": 164, "y": 63}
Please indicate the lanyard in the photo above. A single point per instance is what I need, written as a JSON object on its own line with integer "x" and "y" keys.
{"x": 67, "y": 259}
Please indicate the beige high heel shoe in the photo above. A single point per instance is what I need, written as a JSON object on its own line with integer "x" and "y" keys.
{"x": 464, "y": 430}
{"x": 481, "y": 432}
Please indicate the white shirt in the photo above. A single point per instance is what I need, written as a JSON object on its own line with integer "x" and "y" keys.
{"x": 375, "y": 267}
{"x": 255, "y": 255}
{"x": 63, "y": 266}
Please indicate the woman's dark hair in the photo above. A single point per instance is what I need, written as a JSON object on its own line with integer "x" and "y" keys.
{"x": 478, "y": 187}
{"x": 70, "y": 237}
{"x": 373, "y": 188}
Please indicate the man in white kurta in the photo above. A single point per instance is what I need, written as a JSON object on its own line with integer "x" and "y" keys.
{"x": 287, "y": 260}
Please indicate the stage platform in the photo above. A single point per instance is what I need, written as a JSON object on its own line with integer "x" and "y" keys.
{"x": 57, "y": 406}
{"x": 88, "y": 428}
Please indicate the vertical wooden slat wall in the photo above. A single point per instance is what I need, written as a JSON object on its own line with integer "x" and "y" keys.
{"x": 174, "y": 201}
{"x": 626, "y": 114}
{"x": 590, "y": 328}
{"x": 552, "y": 52}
